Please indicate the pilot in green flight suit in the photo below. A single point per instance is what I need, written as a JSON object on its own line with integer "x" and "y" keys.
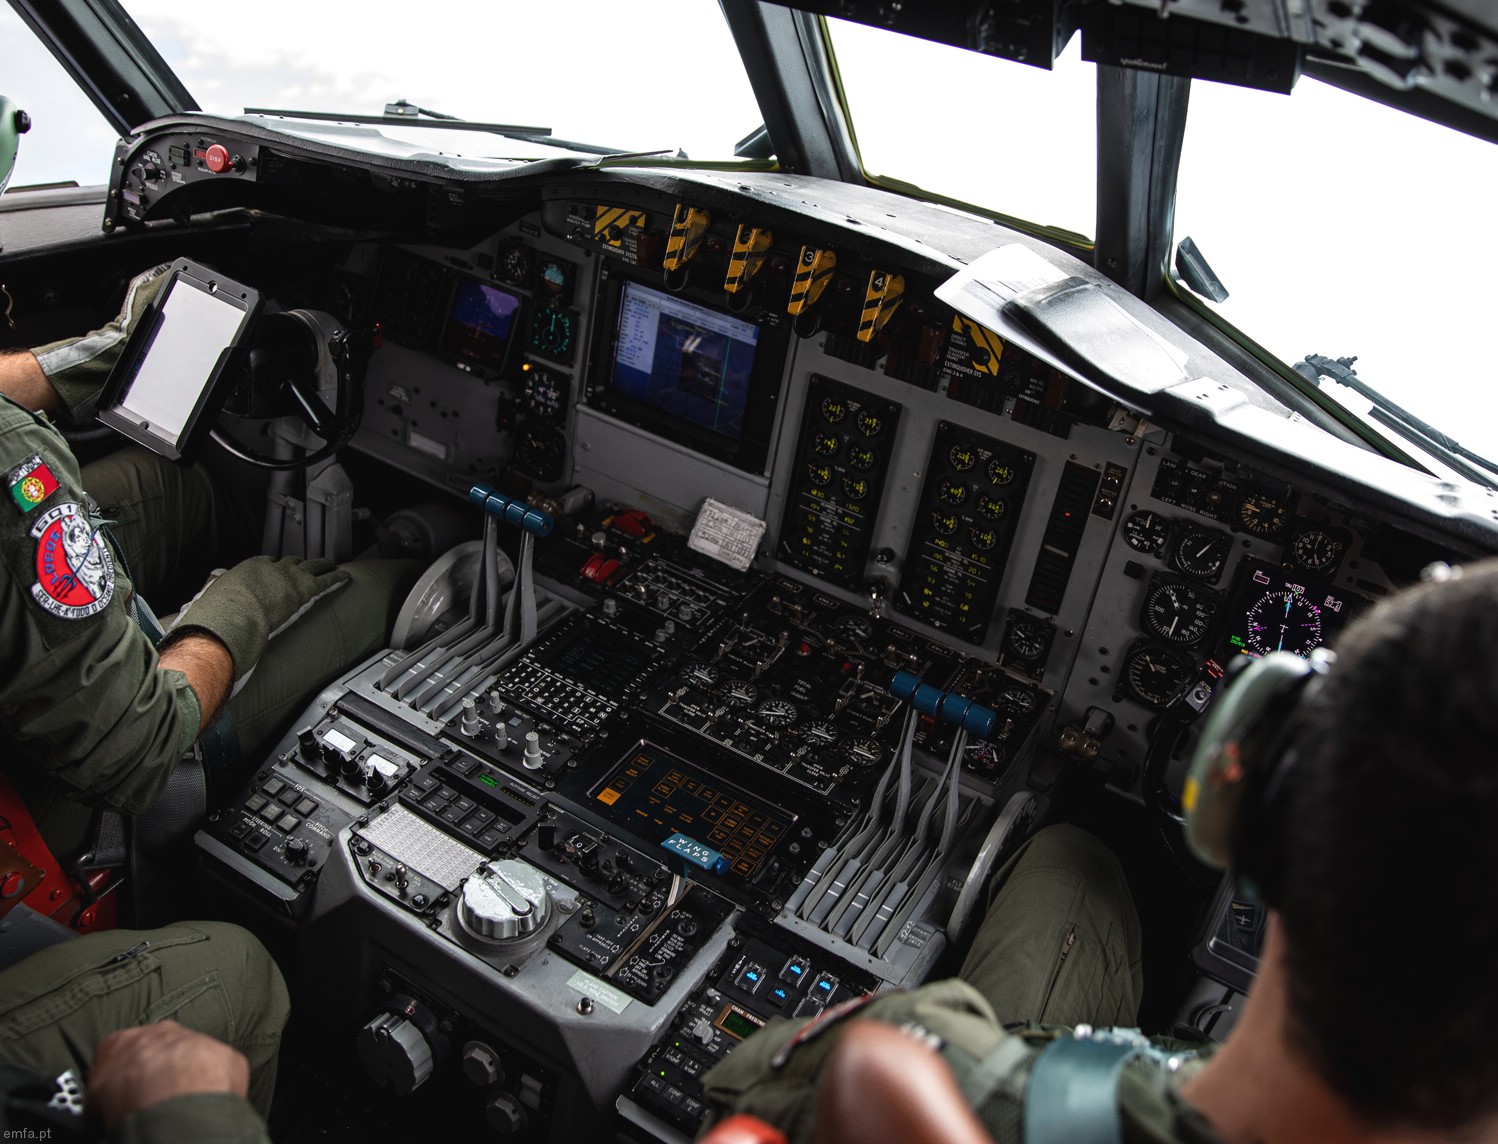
{"x": 1371, "y": 1019}
{"x": 92, "y": 714}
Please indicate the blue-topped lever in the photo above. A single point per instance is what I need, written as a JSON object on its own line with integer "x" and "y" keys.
{"x": 972, "y": 717}
{"x": 512, "y": 511}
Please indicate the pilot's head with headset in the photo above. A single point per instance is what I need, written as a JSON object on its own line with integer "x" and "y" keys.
{"x": 1358, "y": 794}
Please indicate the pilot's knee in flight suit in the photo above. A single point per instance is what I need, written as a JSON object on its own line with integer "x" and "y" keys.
{"x": 209, "y": 976}
{"x": 1061, "y": 943}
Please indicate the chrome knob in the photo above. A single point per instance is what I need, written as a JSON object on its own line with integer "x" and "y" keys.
{"x": 504, "y": 900}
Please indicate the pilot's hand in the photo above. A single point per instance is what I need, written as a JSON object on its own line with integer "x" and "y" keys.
{"x": 252, "y": 602}
{"x": 136, "y": 1068}
{"x": 881, "y": 1086}
{"x": 78, "y": 367}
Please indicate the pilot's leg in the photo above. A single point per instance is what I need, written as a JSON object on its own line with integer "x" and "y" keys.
{"x": 342, "y": 629}
{"x": 59, "y": 1003}
{"x": 1060, "y": 943}
{"x": 174, "y": 523}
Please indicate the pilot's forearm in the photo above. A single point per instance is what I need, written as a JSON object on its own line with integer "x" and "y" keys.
{"x": 209, "y": 669}
{"x": 22, "y": 380}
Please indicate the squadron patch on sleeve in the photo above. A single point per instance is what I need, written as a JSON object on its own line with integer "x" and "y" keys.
{"x": 74, "y": 571}
{"x": 31, "y": 482}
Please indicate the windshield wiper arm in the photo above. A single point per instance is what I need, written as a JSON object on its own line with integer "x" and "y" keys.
{"x": 504, "y": 130}
{"x": 510, "y": 130}
{"x": 1396, "y": 417}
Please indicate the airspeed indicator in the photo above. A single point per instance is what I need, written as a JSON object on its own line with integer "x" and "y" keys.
{"x": 1178, "y": 612}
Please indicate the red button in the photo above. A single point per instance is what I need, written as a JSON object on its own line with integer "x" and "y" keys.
{"x": 216, "y": 158}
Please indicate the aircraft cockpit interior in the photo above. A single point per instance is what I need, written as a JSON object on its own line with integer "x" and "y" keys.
{"x": 793, "y": 546}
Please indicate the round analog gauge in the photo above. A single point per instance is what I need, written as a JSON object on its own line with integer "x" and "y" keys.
{"x": 870, "y": 424}
{"x": 515, "y": 265}
{"x": 961, "y": 458}
{"x": 944, "y": 523}
{"x": 540, "y": 449}
{"x": 862, "y": 752}
{"x": 1017, "y": 700}
{"x": 1315, "y": 550}
{"x": 992, "y": 508}
{"x": 1202, "y": 552}
{"x": 551, "y": 332}
{"x": 555, "y": 279}
{"x": 777, "y": 712}
{"x": 825, "y": 444}
{"x": 833, "y": 410}
{"x": 984, "y": 538}
{"x": 1178, "y": 613}
{"x": 819, "y": 475}
{"x": 1155, "y": 675}
{"x": 1262, "y": 515}
{"x": 852, "y": 628}
{"x": 1146, "y": 532}
{"x": 983, "y": 756}
{"x": 860, "y": 457}
{"x": 1001, "y": 473}
{"x": 1283, "y": 621}
{"x": 856, "y": 487}
{"x": 699, "y": 674}
{"x": 820, "y": 733}
{"x": 737, "y": 693}
{"x": 953, "y": 492}
{"x": 1025, "y": 640}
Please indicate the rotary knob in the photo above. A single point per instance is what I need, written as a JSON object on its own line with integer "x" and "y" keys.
{"x": 402, "y": 1046}
{"x": 503, "y": 901}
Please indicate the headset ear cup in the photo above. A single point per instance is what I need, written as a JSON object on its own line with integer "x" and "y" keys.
{"x": 1237, "y": 749}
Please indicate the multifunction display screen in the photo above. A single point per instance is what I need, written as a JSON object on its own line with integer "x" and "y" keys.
{"x": 480, "y": 323}
{"x": 683, "y": 360}
{"x": 1276, "y": 610}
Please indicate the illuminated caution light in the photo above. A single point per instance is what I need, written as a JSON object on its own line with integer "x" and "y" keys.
{"x": 610, "y": 223}
{"x": 883, "y": 298}
{"x": 688, "y": 228}
{"x": 750, "y": 245}
{"x": 985, "y": 346}
{"x": 813, "y": 271}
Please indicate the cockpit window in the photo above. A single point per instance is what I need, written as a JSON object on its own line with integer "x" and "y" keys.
{"x": 975, "y": 128}
{"x": 656, "y": 75}
{"x": 69, "y": 141}
{"x": 1345, "y": 228}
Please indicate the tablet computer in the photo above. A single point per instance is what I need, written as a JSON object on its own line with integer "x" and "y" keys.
{"x": 178, "y": 363}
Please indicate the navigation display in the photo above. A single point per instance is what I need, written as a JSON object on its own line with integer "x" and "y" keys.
{"x": 684, "y": 360}
{"x": 480, "y": 323}
{"x": 1276, "y": 610}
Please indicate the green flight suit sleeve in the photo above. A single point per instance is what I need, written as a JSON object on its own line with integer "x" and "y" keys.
{"x": 203, "y": 1118}
{"x": 82, "y": 694}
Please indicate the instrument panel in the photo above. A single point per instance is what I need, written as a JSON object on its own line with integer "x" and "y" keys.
{"x": 705, "y": 795}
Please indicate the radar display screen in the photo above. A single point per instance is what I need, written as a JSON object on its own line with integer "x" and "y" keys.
{"x": 1276, "y": 610}
{"x": 684, "y": 360}
{"x": 657, "y": 795}
{"x": 480, "y": 323}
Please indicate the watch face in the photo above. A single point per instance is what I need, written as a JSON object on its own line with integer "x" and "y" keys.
{"x": 516, "y": 265}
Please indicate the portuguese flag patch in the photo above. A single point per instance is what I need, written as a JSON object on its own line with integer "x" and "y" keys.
{"x": 31, "y": 482}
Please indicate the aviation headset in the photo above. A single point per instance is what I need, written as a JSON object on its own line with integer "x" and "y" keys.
{"x": 1241, "y": 763}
